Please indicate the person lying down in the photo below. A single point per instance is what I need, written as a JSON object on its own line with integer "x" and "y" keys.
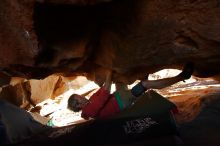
{"x": 102, "y": 104}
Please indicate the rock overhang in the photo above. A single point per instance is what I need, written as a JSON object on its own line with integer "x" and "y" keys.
{"x": 133, "y": 38}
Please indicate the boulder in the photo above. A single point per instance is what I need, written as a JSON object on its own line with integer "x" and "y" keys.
{"x": 17, "y": 95}
{"x": 27, "y": 93}
{"x": 133, "y": 38}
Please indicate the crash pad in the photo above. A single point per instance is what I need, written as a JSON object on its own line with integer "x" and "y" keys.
{"x": 148, "y": 119}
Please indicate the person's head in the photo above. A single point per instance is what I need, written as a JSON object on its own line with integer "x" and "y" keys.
{"x": 77, "y": 102}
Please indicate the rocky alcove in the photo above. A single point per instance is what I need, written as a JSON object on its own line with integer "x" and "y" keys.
{"x": 70, "y": 38}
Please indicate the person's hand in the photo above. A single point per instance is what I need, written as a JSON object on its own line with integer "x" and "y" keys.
{"x": 187, "y": 71}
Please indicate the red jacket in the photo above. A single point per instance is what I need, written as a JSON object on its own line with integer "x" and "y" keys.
{"x": 102, "y": 105}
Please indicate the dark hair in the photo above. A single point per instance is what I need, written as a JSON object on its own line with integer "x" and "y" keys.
{"x": 73, "y": 103}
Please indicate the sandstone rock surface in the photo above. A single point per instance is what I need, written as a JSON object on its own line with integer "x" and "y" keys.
{"x": 133, "y": 38}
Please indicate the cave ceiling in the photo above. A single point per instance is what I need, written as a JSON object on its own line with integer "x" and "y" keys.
{"x": 131, "y": 37}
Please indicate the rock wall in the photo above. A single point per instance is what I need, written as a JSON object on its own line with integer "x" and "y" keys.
{"x": 133, "y": 38}
{"x": 17, "y": 40}
{"x": 28, "y": 93}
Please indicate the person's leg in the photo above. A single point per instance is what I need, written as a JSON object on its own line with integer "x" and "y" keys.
{"x": 162, "y": 83}
{"x": 140, "y": 88}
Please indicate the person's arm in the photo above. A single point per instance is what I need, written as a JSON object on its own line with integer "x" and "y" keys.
{"x": 108, "y": 80}
{"x": 98, "y": 99}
